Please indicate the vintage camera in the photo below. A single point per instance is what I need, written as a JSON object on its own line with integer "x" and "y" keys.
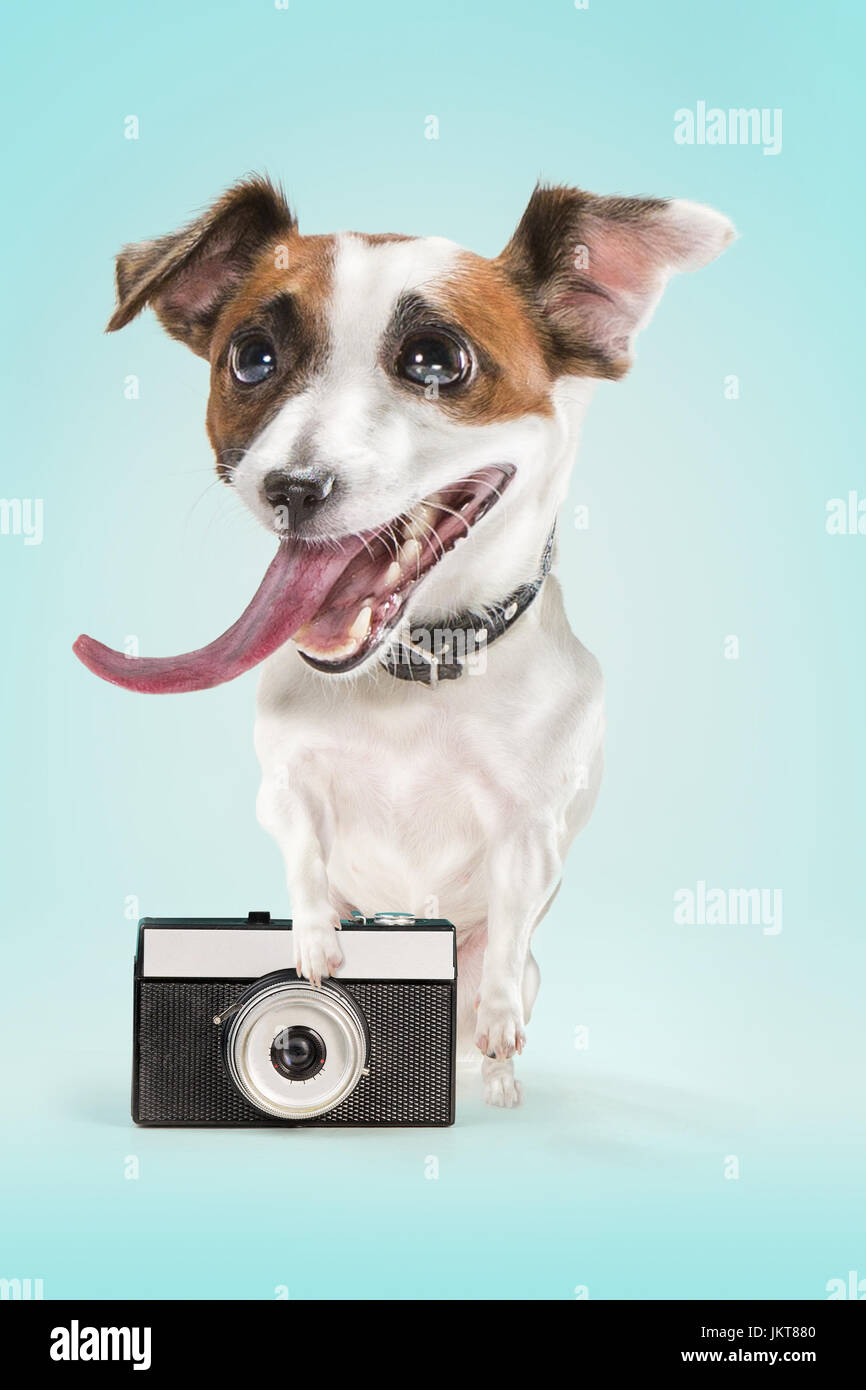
{"x": 226, "y": 1032}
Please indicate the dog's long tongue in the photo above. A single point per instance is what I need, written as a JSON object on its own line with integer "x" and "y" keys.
{"x": 297, "y": 580}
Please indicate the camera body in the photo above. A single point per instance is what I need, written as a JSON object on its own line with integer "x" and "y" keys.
{"x": 226, "y": 1033}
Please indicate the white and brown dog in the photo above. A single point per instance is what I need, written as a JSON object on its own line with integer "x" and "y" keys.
{"x": 406, "y": 413}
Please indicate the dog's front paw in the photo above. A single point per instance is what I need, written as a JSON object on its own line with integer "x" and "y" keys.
{"x": 501, "y": 1087}
{"x": 317, "y": 953}
{"x": 499, "y": 1030}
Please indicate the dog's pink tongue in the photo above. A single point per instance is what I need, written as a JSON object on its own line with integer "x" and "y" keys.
{"x": 297, "y": 581}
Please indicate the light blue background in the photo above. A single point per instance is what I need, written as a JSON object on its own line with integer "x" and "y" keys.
{"x": 706, "y": 520}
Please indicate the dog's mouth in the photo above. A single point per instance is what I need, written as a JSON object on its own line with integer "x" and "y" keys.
{"x": 368, "y": 600}
{"x": 338, "y": 600}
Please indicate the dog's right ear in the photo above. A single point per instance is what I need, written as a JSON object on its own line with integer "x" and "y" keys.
{"x": 188, "y": 276}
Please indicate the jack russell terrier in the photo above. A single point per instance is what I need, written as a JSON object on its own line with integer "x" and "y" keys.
{"x": 405, "y": 414}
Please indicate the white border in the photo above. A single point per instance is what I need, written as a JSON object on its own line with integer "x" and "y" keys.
{"x": 239, "y": 953}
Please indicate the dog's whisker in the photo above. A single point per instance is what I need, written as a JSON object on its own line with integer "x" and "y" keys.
{"x": 392, "y": 534}
{"x": 432, "y": 530}
{"x": 478, "y": 482}
{"x": 366, "y": 544}
{"x": 458, "y": 515}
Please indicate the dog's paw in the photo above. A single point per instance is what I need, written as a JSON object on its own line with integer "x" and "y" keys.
{"x": 317, "y": 953}
{"x": 499, "y": 1031}
{"x": 501, "y": 1087}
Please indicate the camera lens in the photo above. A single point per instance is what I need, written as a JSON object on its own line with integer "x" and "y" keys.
{"x": 283, "y": 1032}
{"x": 298, "y": 1053}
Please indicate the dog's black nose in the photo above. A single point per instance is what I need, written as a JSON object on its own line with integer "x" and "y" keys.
{"x": 295, "y": 497}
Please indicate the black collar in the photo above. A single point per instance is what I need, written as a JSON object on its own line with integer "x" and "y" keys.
{"x": 438, "y": 651}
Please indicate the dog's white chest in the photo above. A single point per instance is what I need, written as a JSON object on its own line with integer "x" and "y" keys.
{"x": 412, "y": 840}
{"x": 410, "y": 787}
{"x": 401, "y": 797}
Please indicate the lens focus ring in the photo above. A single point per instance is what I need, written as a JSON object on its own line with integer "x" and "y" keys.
{"x": 293, "y": 1051}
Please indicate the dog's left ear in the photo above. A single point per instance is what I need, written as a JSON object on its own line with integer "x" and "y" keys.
{"x": 189, "y": 275}
{"x": 594, "y": 269}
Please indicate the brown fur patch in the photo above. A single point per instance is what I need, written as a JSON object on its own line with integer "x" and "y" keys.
{"x": 381, "y": 238}
{"x": 511, "y": 378}
{"x": 285, "y": 295}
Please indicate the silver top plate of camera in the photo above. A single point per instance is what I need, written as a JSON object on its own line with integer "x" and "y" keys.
{"x": 419, "y": 953}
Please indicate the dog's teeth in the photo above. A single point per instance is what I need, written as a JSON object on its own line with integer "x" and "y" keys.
{"x": 410, "y": 554}
{"x": 361, "y": 625}
{"x": 392, "y": 573}
{"x": 419, "y": 524}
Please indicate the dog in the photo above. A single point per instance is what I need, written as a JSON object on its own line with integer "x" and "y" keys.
{"x": 404, "y": 414}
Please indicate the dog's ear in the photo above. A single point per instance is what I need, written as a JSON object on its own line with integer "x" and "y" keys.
{"x": 188, "y": 276}
{"x": 594, "y": 269}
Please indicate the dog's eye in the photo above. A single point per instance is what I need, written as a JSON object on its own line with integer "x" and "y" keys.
{"x": 253, "y": 360}
{"x": 426, "y": 357}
